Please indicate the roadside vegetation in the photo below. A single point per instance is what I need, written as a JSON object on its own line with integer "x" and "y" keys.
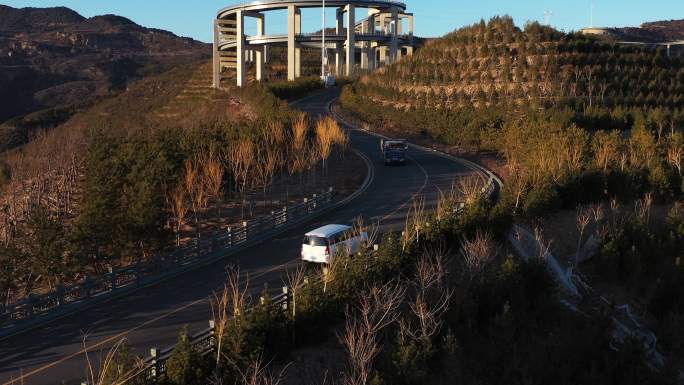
{"x": 580, "y": 124}
{"x": 168, "y": 162}
{"x": 444, "y": 301}
{"x": 575, "y": 118}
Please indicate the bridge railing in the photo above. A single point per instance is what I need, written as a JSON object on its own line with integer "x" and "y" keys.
{"x": 204, "y": 342}
{"x": 142, "y": 272}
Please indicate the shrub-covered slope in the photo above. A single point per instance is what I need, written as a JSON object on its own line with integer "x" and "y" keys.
{"x": 577, "y": 119}
{"x": 498, "y": 65}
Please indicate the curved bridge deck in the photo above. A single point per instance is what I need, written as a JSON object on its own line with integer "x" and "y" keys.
{"x": 379, "y": 39}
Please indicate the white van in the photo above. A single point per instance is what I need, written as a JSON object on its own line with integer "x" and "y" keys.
{"x": 322, "y": 244}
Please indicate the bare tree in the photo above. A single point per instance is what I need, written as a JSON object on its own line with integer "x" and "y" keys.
{"x": 470, "y": 188}
{"x": 259, "y": 373}
{"x": 582, "y": 220}
{"x": 213, "y": 172}
{"x": 675, "y": 152}
{"x": 110, "y": 372}
{"x": 300, "y": 130}
{"x": 415, "y": 220}
{"x": 229, "y": 303}
{"x": 543, "y": 246}
{"x": 477, "y": 254}
{"x": 241, "y": 161}
{"x": 197, "y": 192}
{"x": 431, "y": 300}
{"x": 643, "y": 209}
{"x": 179, "y": 208}
{"x": 324, "y": 137}
{"x": 295, "y": 281}
{"x": 377, "y": 309}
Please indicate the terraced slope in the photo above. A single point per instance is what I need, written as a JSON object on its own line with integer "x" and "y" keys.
{"x": 497, "y": 66}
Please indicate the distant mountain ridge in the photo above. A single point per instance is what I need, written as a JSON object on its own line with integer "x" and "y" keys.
{"x": 652, "y": 32}
{"x": 56, "y": 59}
{"x": 20, "y": 19}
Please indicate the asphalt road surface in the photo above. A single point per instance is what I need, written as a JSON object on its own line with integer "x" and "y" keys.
{"x": 54, "y": 354}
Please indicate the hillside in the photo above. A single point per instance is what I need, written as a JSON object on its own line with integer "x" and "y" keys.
{"x": 653, "y": 32}
{"x": 120, "y": 164}
{"x": 574, "y": 118}
{"x": 500, "y": 67}
{"x": 53, "y": 59}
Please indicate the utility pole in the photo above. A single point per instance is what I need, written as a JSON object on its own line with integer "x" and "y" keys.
{"x": 547, "y": 17}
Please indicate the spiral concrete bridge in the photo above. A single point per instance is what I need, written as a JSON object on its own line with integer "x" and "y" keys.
{"x": 379, "y": 39}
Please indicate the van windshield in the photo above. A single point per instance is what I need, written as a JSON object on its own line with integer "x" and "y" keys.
{"x": 395, "y": 146}
{"x": 315, "y": 241}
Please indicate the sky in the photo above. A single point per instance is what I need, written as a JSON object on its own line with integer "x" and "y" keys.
{"x": 432, "y": 17}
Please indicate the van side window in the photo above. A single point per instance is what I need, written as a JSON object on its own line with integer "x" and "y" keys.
{"x": 337, "y": 238}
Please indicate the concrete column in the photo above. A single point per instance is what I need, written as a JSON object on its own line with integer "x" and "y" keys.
{"x": 383, "y": 55}
{"x": 394, "y": 42}
{"x": 216, "y": 79}
{"x": 351, "y": 39}
{"x": 240, "y": 47}
{"x": 260, "y": 51}
{"x": 365, "y": 46}
{"x": 291, "y": 42}
{"x": 298, "y": 49}
{"x": 409, "y": 50}
{"x": 339, "y": 46}
{"x": 410, "y": 25}
{"x": 369, "y": 55}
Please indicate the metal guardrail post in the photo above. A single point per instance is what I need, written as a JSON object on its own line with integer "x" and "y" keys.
{"x": 59, "y": 292}
{"x": 154, "y": 352}
{"x": 112, "y": 278}
{"x": 87, "y": 286}
{"x": 286, "y": 303}
{"x": 138, "y": 273}
{"x": 164, "y": 261}
{"x": 212, "y": 333}
{"x": 29, "y": 305}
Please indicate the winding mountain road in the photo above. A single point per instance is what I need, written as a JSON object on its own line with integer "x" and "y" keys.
{"x": 152, "y": 317}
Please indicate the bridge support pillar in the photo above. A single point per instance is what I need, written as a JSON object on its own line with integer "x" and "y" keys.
{"x": 292, "y": 30}
{"x": 260, "y": 51}
{"x": 298, "y": 49}
{"x": 351, "y": 39}
{"x": 339, "y": 47}
{"x": 383, "y": 55}
{"x": 394, "y": 30}
{"x": 240, "y": 47}
{"x": 410, "y": 30}
{"x": 216, "y": 73}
